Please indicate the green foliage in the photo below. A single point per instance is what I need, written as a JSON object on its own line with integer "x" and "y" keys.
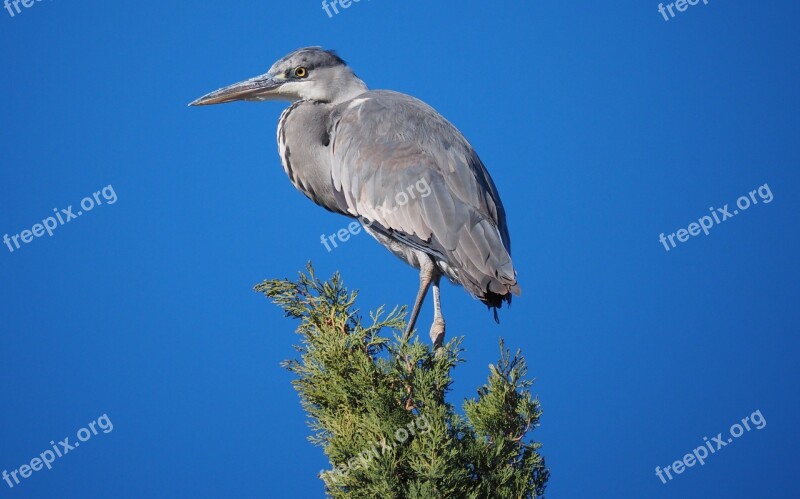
{"x": 377, "y": 405}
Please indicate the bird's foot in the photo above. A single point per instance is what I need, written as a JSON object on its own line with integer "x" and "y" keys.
{"x": 437, "y": 333}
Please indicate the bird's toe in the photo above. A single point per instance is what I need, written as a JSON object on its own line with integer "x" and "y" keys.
{"x": 437, "y": 333}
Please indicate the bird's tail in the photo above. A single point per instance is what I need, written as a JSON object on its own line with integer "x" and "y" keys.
{"x": 494, "y": 301}
{"x": 501, "y": 289}
{"x": 485, "y": 267}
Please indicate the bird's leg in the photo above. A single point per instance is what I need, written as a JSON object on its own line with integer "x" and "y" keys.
{"x": 437, "y": 329}
{"x": 427, "y": 273}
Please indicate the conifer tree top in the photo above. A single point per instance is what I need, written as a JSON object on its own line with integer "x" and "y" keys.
{"x": 377, "y": 405}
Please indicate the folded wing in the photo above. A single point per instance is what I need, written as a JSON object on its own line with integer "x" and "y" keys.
{"x": 401, "y": 167}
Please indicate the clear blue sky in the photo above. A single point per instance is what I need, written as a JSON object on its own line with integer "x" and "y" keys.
{"x": 603, "y": 126}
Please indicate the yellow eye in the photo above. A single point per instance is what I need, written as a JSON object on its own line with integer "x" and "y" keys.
{"x": 301, "y": 72}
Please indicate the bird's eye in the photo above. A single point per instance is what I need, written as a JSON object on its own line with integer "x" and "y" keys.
{"x": 301, "y": 72}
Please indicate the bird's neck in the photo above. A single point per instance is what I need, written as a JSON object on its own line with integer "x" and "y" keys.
{"x": 348, "y": 89}
{"x": 356, "y": 88}
{"x": 303, "y": 146}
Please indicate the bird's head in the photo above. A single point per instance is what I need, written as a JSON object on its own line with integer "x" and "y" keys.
{"x": 306, "y": 74}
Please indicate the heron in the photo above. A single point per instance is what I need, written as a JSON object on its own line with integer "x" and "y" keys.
{"x": 351, "y": 150}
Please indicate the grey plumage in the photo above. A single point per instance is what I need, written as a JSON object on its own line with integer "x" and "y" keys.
{"x": 353, "y": 151}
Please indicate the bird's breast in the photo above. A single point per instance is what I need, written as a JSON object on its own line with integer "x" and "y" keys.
{"x": 303, "y": 146}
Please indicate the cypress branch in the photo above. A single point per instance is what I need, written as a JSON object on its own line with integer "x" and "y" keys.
{"x": 377, "y": 405}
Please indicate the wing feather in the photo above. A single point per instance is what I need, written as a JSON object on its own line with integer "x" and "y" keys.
{"x": 400, "y": 165}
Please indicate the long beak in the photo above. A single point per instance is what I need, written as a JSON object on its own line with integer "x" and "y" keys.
{"x": 255, "y": 89}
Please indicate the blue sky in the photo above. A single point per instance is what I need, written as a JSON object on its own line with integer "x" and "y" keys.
{"x": 603, "y": 126}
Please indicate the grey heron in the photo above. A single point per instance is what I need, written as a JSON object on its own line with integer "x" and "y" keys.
{"x": 351, "y": 150}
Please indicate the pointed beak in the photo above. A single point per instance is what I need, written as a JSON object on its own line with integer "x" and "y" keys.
{"x": 255, "y": 89}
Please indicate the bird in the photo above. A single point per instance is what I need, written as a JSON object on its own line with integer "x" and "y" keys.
{"x": 353, "y": 150}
